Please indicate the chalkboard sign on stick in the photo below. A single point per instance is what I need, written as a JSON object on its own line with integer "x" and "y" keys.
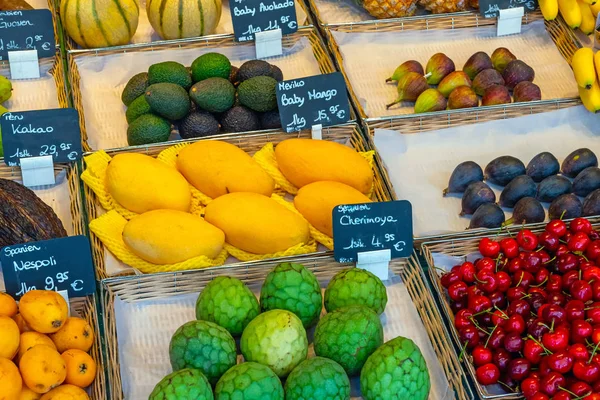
{"x": 253, "y": 16}
{"x": 491, "y": 8}
{"x": 359, "y": 228}
{"x": 57, "y": 264}
{"x": 27, "y": 30}
{"x": 315, "y": 100}
{"x": 53, "y": 133}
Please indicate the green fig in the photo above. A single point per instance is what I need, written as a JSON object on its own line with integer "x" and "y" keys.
{"x": 5, "y": 89}
{"x": 404, "y": 68}
{"x": 429, "y": 101}
{"x": 410, "y": 86}
{"x": 486, "y": 79}
{"x": 452, "y": 81}
{"x": 438, "y": 66}
{"x": 462, "y": 97}
{"x": 477, "y": 63}
{"x": 501, "y": 57}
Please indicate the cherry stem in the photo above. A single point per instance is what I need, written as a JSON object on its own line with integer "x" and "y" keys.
{"x": 540, "y": 249}
{"x": 594, "y": 352}
{"x": 486, "y": 311}
{"x": 506, "y": 386}
{"x": 462, "y": 352}
{"x": 540, "y": 344}
{"x": 545, "y": 280}
{"x": 568, "y": 391}
{"x": 550, "y": 260}
{"x": 562, "y": 215}
{"x": 491, "y": 333}
{"x": 504, "y": 315}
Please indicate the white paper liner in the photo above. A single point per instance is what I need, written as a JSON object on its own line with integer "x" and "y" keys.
{"x": 417, "y": 178}
{"x": 145, "y": 328}
{"x": 103, "y": 79}
{"x": 33, "y": 94}
{"x": 370, "y": 58}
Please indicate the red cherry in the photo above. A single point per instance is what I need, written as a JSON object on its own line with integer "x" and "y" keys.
{"x": 519, "y": 368}
{"x": 557, "y": 340}
{"x": 568, "y": 279}
{"x": 467, "y": 271}
{"x": 557, "y": 227}
{"x": 541, "y": 276}
{"x": 548, "y": 241}
{"x": 530, "y": 386}
{"x": 593, "y": 313}
{"x": 560, "y": 361}
{"x": 575, "y": 309}
{"x": 551, "y": 383}
{"x": 513, "y": 343}
{"x": 593, "y": 250}
{"x": 515, "y": 324}
{"x": 522, "y": 279}
{"x": 449, "y": 278}
{"x": 514, "y": 294}
{"x": 579, "y": 242}
{"x": 543, "y": 367}
{"x": 596, "y": 336}
{"x": 503, "y": 280}
{"x": 498, "y": 299}
{"x": 586, "y": 372}
{"x": 540, "y": 396}
{"x": 481, "y": 355}
{"x": 581, "y": 290}
{"x": 515, "y": 265}
{"x": 596, "y": 290}
{"x": 499, "y": 318}
{"x": 566, "y": 262}
{"x": 485, "y": 263}
{"x": 578, "y": 351}
{"x": 562, "y": 395}
{"x": 489, "y": 248}
{"x": 474, "y": 291}
{"x": 527, "y": 239}
{"x": 470, "y": 336}
{"x": 538, "y": 298}
{"x": 479, "y": 303}
{"x": 558, "y": 299}
{"x": 533, "y": 351}
{"x": 488, "y": 374}
{"x": 458, "y": 305}
{"x": 580, "y": 330}
{"x": 554, "y": 314}
{"x": 554, "y": 283}
{"x": 593, "y": 396}
{"x": 509, "y": 247}
{"x": 537, "y": 329}
{"x": 580, "y": 388}
{"x": 457, "y": 290}
{"x": 462, "y": 319}
{"x": 567, "y": 237}
{"x": 561, "y": 249}
{"x": 520, "y": 307}
{"x": 581, "y": 225}
{"x": 533, "y": 262}
{"x": 591, "y": 273}
{"x": 487, "y": 281}
{"x": 502, "y": 359}
{"x": 496, "y": 339}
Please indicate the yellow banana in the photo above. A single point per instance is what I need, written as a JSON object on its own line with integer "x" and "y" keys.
{"x": 596, "y": 9}
{"x": 597, "y": 62}
{"x": 549, "y": 9}
{"x": 588, "y": 22}
{"x": 590, "y": 2}
{"x": 583, "y": 67}
{"x": 591, "y": 97}
{"x": 570, "y": 12}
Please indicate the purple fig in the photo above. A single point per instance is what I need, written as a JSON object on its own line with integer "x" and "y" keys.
{"x": 438, "y": 66}
{"x": 526, "y": 91}
{"x": 496, "y": 95}
{"x": 476, "y": 63}
{"x": 476, "y": 194}
{"x": 452, "y": 81}
{"x": 517, "y": 71}
{"x": 486, "y": 79}
{"x": 565, "y": 206}
{"x": 404, "y": 68}
{"x": 501, "y": 57}
{"x": 462, "y": 97}
{"x": 429, "y": 101}
{"x": 410, "y": 86}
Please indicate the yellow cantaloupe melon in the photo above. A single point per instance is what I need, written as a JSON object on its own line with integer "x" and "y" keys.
{"x": 141, "y": 183}
{"x": 216, "y": 168}
{"x": 317, "y": 200}
{"x": 304, "y": 161}
{"x": 168, "y": 237}
{"x": 256, "y": 223}
{"x": 177, "y": 19}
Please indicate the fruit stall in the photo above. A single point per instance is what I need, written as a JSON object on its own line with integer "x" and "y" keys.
{"x": 299, "y": 200}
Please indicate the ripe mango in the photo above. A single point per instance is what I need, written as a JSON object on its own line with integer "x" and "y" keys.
{"x": 66, "y": 392}
{"x": 256, "y": 223}
{"x": 304, "y": 161}
{"x": 44, "y": 311}
{"x": 10, "y": 380}
{"x": 216, "y": 168}
{"x": 9, "y": 337}
{"x": 141, "y": 183}
{"x": 317, "y": 200}
{"x": 168, "y": 237}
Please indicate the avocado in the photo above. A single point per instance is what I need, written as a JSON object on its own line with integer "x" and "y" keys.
{"x": 170, "y": 72}
{"x": 211, "y": 65}
{"x": 240, "y": 119}
{"x": 135, "y": 88}
{"x": 233, "y": 75}
{"x": 198, "y": 124}
{"x": 148, "y": 129}
{"x": 213, "y": 94}
{"x": 168, "y": 100}
{"x": 258, "y": 93}
{"x": 270, "y": 120}
{"x": 253, "y": 68}
{"x": 137, "y": 108}
{"x": 276, "y": 73}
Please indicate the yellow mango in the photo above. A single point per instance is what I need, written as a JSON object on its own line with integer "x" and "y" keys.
{"x": 216, "y": 168}
{"x": 304, "y": 161}
{"x": 44, "y": 311}
{"x": 141, "y": 183}
{"x": 317, "y": 200}
{"x": 256, "y": 224}
{"x": 168, "y": 237}
{"x": 10, "y": 380}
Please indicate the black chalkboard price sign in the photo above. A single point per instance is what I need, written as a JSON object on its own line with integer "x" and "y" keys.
{"x": 315, "y": 100}
{"x": 27, "y": 30}
{"x": 374, "y": 226}
{"x": 57, "y": 264}
{"x": 253, "y": 16}
{"x": 53, "y": 133}
{"x": 491, "y": 8}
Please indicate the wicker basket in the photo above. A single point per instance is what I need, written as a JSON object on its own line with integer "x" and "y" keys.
{"x": 143, "y": 288}
{"x": 249, "y": 143}
{"x": 320, "y": 52}
{"x": 561, "y": 34}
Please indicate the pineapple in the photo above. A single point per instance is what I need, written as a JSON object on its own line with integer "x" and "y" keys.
{"x": 444, "y": 6}
{"x": 389, "y": 8}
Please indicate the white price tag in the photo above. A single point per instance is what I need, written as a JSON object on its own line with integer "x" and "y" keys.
{"x": 37, "y": 171}
{"x": 317, "y": 132}
{"x": 510, "y": 20}
{"x": 268, "y": 43}
{"x": 376, "y": 262}
{"x": 24, "y": 64}
{"x": 65, "y": 295}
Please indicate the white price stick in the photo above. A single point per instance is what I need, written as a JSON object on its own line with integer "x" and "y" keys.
{"x": 65, "y": 295}
{"x": 37, "y": 171}
{"x": 510, "y": 21}
{"x": 377, "y": 262}
{"x": 317, "y": 132}
{"x": 24, "y": 64}
{"x": 268, "y": 43}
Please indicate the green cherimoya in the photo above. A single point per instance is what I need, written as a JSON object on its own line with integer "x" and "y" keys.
{"x": 227, "y": 302}
{"x": 249, "y": 381}
{"x": 349, "y": 336}
{"x": 396, "y": 370}
{"x": 318, "y": 378}
{"x": 184, "y": 384}
{"x": 355, "y": 286}
{"x": 290, "y": 286}
{"x": 205, "y": 346}
{"x": 276, "y": 339}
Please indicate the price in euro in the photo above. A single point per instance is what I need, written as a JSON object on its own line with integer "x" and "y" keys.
{"x": 324, "y": 115}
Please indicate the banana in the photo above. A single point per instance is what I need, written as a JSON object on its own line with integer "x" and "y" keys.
{"x": 588, "y": 22}
{"x": 596, "y": 9}
{"x": 570, "y": 12}
{"x": 590, "y": 2}
{"x": 549, "y": 9}
{"x": 597, "y": 63}
{"x": 591, "y": 97}
{"x": 583, "y": 67}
